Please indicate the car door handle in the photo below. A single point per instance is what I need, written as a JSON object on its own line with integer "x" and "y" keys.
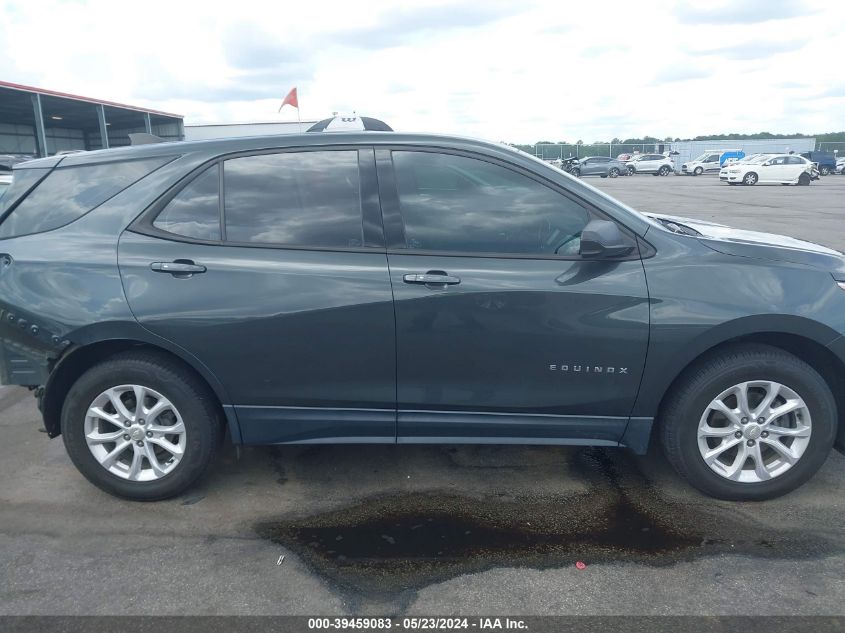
{"x": 178, "y": 267}
{"x": 436, "y": 278}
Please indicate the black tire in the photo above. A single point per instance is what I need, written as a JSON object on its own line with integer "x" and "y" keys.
{"x": 603, "y": 175}
{"x": 698, "y": 171}
{"x": 692, "y": 393}
{"x": 613, "y": 173}
{"x": 631, "y": 171}
{"x": 804, "y": 179}
{"x": 189, "y": 394}
{"x": 824, "y": 171}
{"x": 664, "y": 171}
{"x": 576, "y": 172}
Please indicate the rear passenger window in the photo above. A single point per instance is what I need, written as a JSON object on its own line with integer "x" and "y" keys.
{"x": 68, "y": 193}
{"x": 195, "y": 210}
{"x": 294, "y": 199}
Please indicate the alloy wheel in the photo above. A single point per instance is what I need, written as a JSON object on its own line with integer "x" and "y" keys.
{"x": 750, "y": 179}
{"x": 754, "y": 431}
{"x": 135, "y": 433}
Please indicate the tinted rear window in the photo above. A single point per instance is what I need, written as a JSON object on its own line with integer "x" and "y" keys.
{"x": 195, "y": 210}
{"x": 22, "y": 181}
{"x": 71, "y": 192}
{"x": 294, "y": 199}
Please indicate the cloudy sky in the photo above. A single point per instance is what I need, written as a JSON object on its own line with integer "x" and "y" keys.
{"x": 518, "y": 71}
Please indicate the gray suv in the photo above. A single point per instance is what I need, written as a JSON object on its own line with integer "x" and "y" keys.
{"x": 603, "y": 166}
{"x": 391, "y": 288}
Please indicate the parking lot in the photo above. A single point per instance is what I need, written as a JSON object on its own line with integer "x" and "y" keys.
{"x": 435, "y": 530}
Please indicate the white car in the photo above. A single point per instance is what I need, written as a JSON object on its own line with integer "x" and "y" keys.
{"x": 655, "y": 164}
{"x": 708, "y": 162}
{"x": 5, "y": 182}
{"x": 840, "y": 166}
{"x": 784, "y": 169}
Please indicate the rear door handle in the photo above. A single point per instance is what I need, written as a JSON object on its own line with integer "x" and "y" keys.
{"x": 179, "y": 267}
{"x": 432, "y": 278}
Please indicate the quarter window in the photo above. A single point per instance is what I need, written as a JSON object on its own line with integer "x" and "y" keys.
{"x": 68, "y": 193}
{"x": 458, "y": 204}
{"x": 195, "y": 210}
{"x": 295, "y": 199}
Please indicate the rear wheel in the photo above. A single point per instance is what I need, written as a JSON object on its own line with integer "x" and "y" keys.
{"x": 824, "y": 171}
{"x": 804, "y": 179}
{"x": 140, "y": 426}
{"x": 750, "y": 179}
{"x": 575, "y": 172}
{"x": 749, "y": 423}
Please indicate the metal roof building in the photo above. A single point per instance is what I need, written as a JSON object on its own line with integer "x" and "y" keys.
{"x": 38, "y": 122}
{"x": 233, "y": 130}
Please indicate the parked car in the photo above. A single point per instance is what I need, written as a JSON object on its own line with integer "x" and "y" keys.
{"x": 7, "y": 161}
{"x": 603, "y": 166}
{"x": 655, "y": 164}
{"x": 393, "y": 288}
{"x": 708, "y": 162}
{"x": 840, "y": 166}
{"x": 785, "y": 169}
{"x": 825, "y": 160}
{"x": 5, "y": 181}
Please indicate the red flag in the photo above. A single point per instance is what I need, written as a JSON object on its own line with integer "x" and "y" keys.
{"x": 290, "y": 100}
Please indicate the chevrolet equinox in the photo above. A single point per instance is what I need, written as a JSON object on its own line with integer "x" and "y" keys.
{"x": 377, "y": 287}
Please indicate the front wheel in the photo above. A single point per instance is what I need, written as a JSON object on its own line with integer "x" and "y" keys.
{"x": 749, "y": 423}
{"x": 664, "y": 171}
{"x": 824, "y": 171}
{"x": 141, "y": 426}
{"x": 750, "y": 179}
{"x": 631, "y": 171}
{"x": 804, "y": 179}
{"x": 698, "y": 171}
{"x": 575, "y": 172}
{"x": 613, "y": 173}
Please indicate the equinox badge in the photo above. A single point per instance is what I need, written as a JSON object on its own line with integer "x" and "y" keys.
{"x": 589, "y": 369}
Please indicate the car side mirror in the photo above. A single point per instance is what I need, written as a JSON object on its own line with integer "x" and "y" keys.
{"x": 602, "y": 238}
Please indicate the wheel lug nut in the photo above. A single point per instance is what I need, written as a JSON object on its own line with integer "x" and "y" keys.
{"x": 764, "y": 434}
{"x": 139, "y": 443}
{"x": 761, "y": 420}
{"x": 149, "y": 433}
{"x": 750, "y": 442}
{"x": 126, "y": 437}
{"x": 738, "y": 434}
{"x": 744, "y": 420}
{"x": 142, "y": 421}
{"x": 127, "y": 423}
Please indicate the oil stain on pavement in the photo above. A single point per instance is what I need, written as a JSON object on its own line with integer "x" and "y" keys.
{"x": 406, "y": 541}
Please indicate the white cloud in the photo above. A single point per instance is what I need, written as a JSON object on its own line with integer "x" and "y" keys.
{"x": 503, "y": 71}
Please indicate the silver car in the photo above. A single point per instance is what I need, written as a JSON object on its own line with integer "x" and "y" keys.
{"x": 603, "y": 166}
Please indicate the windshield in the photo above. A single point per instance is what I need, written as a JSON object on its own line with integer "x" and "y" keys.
{"x": 701, "y": 158}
